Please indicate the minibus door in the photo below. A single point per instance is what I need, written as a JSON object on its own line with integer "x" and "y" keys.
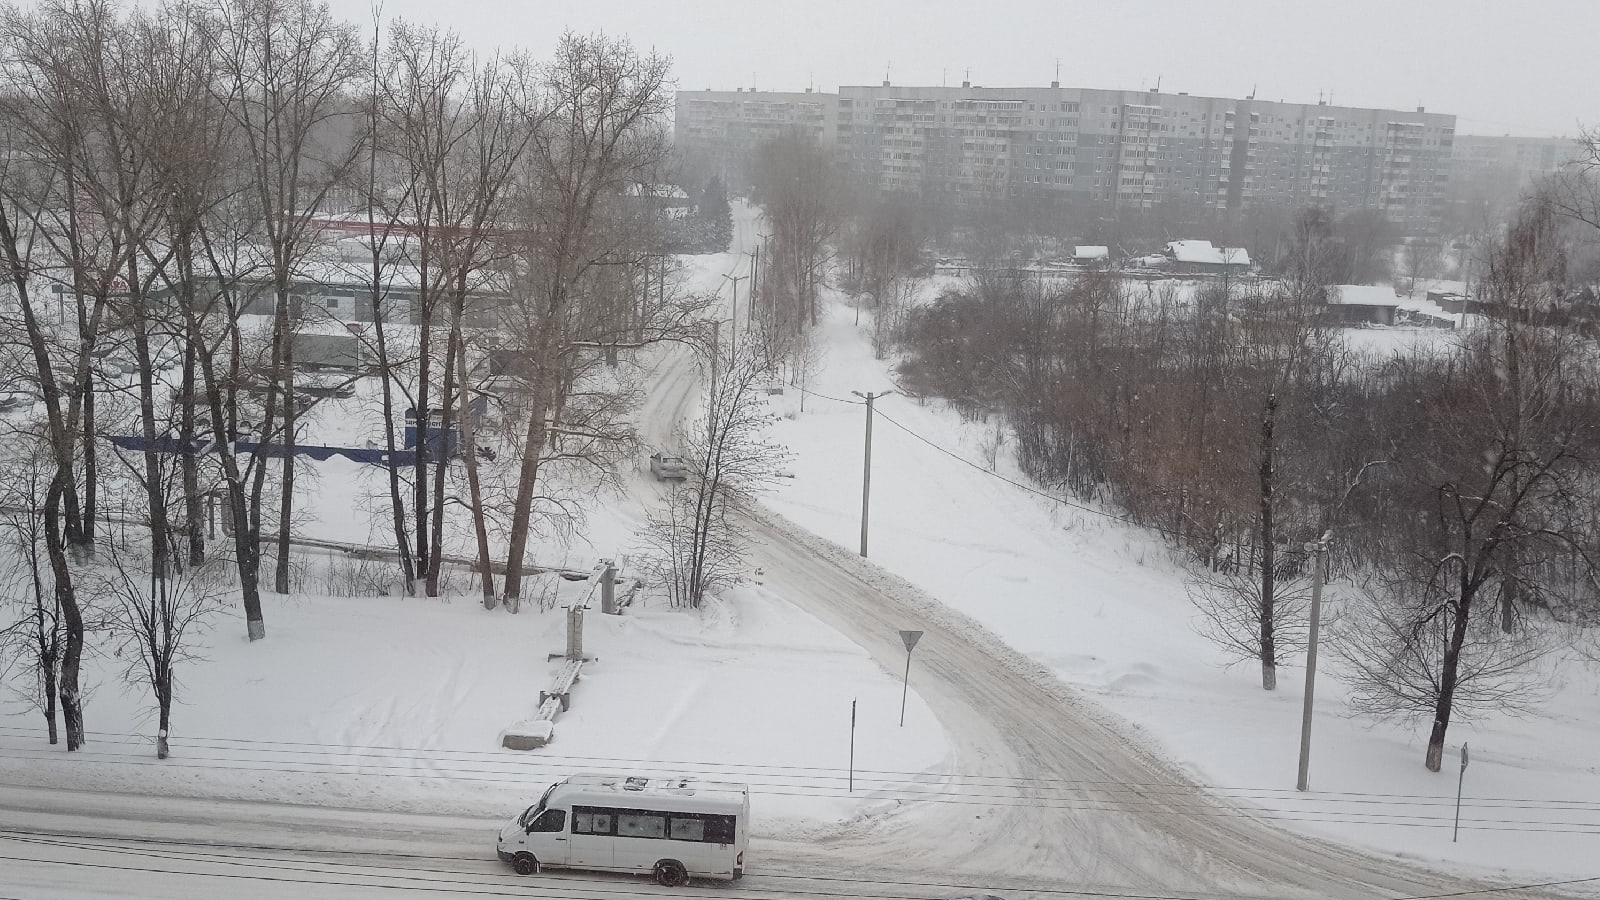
{"x": 547, "y": 838}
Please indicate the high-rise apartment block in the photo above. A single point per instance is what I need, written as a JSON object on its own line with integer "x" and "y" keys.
{"x": 1128, "y": 149}
{"x": 1520, "y": 159}
{"x": 1138, "y": 149}
{"x": 725, "y": 129}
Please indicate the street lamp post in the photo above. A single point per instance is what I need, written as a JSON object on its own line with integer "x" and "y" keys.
{"x": 866, "y": 465}
{"x": 1317, "y": 548}
{"x": 733, "y": 330}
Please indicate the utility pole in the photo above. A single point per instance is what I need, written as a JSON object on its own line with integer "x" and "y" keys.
{"x": 1317, "y": 548}
{"x": 733, "y": 332}
{"x": 866, "y": 466}
{"x": 755, "y": 282}
{"x": 716, "y": 329}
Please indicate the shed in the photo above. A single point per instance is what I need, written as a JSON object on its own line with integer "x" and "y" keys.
{"x": 1203, "y": 258}
{"x": 1091, "y": 256}
{"x": 1362, "y": 304}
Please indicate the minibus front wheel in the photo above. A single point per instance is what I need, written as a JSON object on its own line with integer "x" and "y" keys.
{"x": 525, "y": 864}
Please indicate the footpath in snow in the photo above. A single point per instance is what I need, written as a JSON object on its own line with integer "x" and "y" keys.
{"x": 1103, "y": 605}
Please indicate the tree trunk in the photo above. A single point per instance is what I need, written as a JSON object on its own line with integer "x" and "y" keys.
{"x": 1269, "y": 544}
{"x": 397, "y": 506}
{"x": 164, "y": 704}
{"x": 469, "y": 435}
{"x": 442, "y": 465}
{"x": 424, "y": 442}
{"x": 246, "y": 539}
{"x": 1448, "y": 675}
{"x": 72, "y": 653}
{"x": 155, "y": 493}
{"x": 194, "y": 510}
{"x": 48, "y": 634}
{"x": 285, "y": 372}
{"x": 533, "y": 450}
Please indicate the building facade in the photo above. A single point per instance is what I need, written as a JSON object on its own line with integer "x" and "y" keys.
{"x": 1138, "y": 149}
{"x": 725, "y": 129}
{"x": 1520, "y": 159}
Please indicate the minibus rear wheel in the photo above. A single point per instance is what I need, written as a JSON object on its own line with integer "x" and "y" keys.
{"x": 670, "y": 873}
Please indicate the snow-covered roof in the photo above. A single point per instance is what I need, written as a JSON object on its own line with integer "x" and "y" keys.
{"x": 1205, "y": 253}
{"x": 1363, "y": 295}
{"x": 658, "y": 191}
{"x": 1090, "y": 251}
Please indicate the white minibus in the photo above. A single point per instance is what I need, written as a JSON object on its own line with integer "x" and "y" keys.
{"x": 669, "y": 827}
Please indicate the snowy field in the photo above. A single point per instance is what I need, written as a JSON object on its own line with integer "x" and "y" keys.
{"x": 1103, "y": 606}
{"x": 398, "y": 704}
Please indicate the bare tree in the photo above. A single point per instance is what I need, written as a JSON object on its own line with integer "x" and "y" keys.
{"x": 156, "y": 620}
{"x": 1229, "y": 601}
{"x": 36, "y": 634}
{"x": 287, "y": 69}
{"x": 1490, "y": 485}
{"x": 799, "y": 195}
{"x": 696, "y": 534}
{"x": 1411, "y": 653}
{"x": 602, "y": 134}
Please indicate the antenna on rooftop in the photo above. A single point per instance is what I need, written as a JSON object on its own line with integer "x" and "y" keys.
{"x": 1057, "y": 82}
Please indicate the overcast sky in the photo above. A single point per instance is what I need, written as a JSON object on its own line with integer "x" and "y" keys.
{"x": 1527, "y": 67}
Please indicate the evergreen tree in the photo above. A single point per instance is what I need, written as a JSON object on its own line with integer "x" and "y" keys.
{"x": 716, "y": 216}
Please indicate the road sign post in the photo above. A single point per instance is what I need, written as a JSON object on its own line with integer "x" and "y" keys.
{"x": 852, "y": 746}
{"x": 1460, "y": 778}
{"x": 910, "y": 639}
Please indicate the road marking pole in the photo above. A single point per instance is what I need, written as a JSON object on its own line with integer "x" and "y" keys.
{"x": 852, "y": 746}
{"x": 1461, "y": 777}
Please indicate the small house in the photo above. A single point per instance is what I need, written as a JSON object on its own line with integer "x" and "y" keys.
{"x": 1203, "y": 258}
{"x": 1362, "y": 304}
{"x": 1091, "y": 256}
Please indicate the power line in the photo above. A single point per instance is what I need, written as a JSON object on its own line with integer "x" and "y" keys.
{"x": 1051, "y": 497}
{"x": 1134, "y": 806}
{"x": 777, "y": 775}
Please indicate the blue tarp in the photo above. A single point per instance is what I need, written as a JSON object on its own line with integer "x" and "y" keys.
{"x": 318, "y": 452}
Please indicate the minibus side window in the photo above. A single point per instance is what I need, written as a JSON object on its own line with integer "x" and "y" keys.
{"x": 720, "y": 829}
{"x": 687, "y": 828}
{"x": 641, "y": 824}
{"x": 592, "y": 820}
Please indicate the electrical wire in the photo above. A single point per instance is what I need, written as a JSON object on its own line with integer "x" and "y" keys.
{"x": 1051, "y": 497}
{"x": 821, "y": 779}
{"x": 1196, "y": 811}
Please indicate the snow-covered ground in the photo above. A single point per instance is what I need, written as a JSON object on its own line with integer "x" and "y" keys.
{"x": 1103, "y": 606}
{"x": 395, "y": 703}
{"x": 392, "y": 703}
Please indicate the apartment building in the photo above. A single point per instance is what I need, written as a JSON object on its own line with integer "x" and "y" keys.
{"x": 1138, "y": 149}
{"x": 1518, "y": 159}
{"x": 725, "y": 129}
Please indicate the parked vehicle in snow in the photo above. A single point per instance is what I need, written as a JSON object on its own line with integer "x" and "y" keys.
{"x": 673, "y": 828}
{"x": 665, "y": 467}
